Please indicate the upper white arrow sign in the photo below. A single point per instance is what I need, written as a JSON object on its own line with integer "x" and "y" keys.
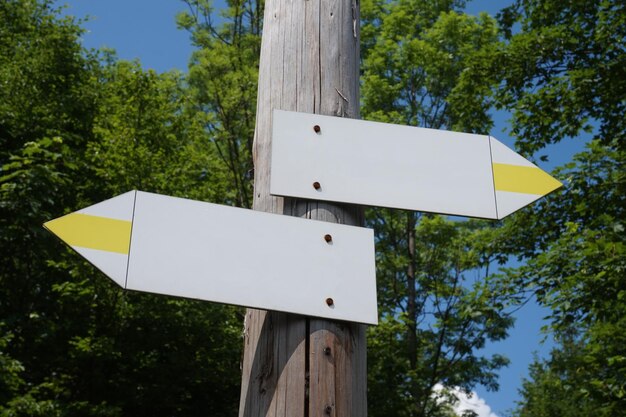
{"x": 379, "y": 164}
{"x": 166, "y": 245}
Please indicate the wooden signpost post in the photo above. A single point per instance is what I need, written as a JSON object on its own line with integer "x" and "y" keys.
{"x": 296, "y": 366}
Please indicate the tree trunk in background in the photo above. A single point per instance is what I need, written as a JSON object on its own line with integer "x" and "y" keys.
{"x": 411, "y": 272}
{"x": 296, "y": 366}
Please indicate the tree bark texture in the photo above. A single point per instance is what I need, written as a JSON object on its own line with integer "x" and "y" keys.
{"x": 295, "y": 366}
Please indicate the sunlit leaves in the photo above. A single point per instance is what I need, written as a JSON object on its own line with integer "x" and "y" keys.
{"x": 564, "y": 78}
{"x": 564, "y": 70}
{"x": 222, "y": 78}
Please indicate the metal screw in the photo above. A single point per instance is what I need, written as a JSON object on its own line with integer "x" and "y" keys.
{"x": 327, "y": 351}
{"x": 330, "y": 302}
{"x": 328, "y": 238}
{"x": 317, "y": 129}
{"x": 317, "y": 185}
{"x": 328, "y": 409}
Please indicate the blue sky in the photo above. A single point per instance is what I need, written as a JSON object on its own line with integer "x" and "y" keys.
{"x": 146, "y": 30}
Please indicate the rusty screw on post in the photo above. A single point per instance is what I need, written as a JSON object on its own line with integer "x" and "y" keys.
{"x": 317, "y": 129}
{"x": 328, "y": 238}
{"x": 330, "y": 302}
{"x": 317, "y": 185}
{"x": 328, "y": 409}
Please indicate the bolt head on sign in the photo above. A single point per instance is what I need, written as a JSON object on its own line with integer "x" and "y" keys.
{"x": 173, "y": 246}
{"x": 379, "y": 164}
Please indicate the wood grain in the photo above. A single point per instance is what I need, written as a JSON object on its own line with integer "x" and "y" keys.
{"x": 309, "y": 63}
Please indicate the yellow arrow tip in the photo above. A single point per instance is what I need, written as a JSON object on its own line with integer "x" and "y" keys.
{"x": 523, "y": 179}
{"x": 92, "y": 232}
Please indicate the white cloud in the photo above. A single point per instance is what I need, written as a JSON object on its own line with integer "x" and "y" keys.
{"x": 470, "y": 402}
{"x": 473, "y": 403}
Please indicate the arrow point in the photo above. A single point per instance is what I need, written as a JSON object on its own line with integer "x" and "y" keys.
{"x": 517, "y": 181}
{"x": 100, "y": 233}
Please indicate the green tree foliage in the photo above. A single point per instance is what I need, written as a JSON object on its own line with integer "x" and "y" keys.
{"x": 564, "y": 69}
{"x": 428, "y": 65}
{"x": 554, "y": 384}
{"x": 564, "y": 73}
{"x": 577, "y": 268}
{"x": 223, "y": 76}
{"x": 431, "y": 330}
{"x": 47, "y": 101}
{"x": 149, "y": 119}
{"x": 76, "y": 129}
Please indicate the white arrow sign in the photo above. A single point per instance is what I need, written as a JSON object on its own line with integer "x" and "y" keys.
{"x": 379, "y": 164}
{"x": 166, "y": 245}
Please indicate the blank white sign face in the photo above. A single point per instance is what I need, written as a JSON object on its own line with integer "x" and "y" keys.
{"x": 380, "y": 164}
{"x": 173, "y": 246}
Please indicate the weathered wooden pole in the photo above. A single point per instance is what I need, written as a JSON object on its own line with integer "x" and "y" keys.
{"x": 296, "y": 366}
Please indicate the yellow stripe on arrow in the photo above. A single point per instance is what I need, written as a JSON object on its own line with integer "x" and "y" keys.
{"x": 92, "y": 232}
{"x": 523, "y": 179}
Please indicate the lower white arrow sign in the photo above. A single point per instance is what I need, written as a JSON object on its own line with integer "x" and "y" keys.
{"x": 380, "y": 164}
{"x": 166, "y": 245}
